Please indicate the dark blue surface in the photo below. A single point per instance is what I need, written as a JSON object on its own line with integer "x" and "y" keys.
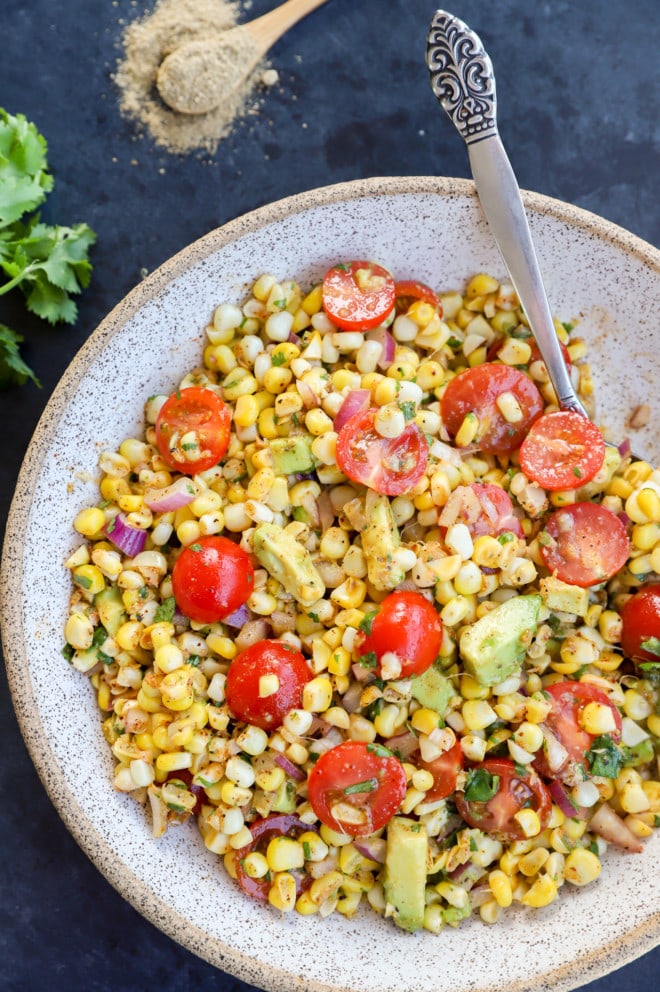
{"x": 578, "y": 111}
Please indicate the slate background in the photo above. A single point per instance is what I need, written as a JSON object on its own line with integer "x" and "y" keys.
{"x": 578, "y": 101}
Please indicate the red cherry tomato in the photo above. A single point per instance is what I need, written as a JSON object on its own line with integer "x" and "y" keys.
{"x": 410, "y": 290}
{"x": 263, "y": 831}
{"x": 406, "y": 625}
{"x": 568, "y": 701}
{"x": 193, "y": 430}
{"x": 484, "y": 508}
{"x": 211, "y": 578}
{"x": 266, "y": 703}
{"x": 358, "y": 296}
{"x": 389, "y": 465}
{"x": 588, "y": 545}
{"x": 563, "y": 450}
{"x": 444, "y": 770}
{"x": 513, "y": 791}
{"x": 536, "y": 354}
{"x": 640, "y": 635}
{"x": 357, "y": 788}
{"x": 476, "y": 391}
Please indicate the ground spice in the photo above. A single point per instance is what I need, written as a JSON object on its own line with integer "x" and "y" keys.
{"x": 147, "y": 41}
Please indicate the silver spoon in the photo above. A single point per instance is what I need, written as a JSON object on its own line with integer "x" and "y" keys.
{"x": 463, "y": 80}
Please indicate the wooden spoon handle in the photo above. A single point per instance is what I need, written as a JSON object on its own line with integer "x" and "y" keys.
{"x": 268, "y": 28}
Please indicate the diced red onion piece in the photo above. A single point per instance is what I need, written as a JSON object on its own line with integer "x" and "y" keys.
{"x": 403, "y": 744}
{"x": 288, "y": 766}
{"x": 555, "y": 752}
{"x": 383, "y": 336}
{"x": 624, "y": 448}
{"x": 238, "y": 618}
{"x": 173, "y": 497}
{"x": 374, "y": 848}
{"x": 355, "y": 402}
{"x": 253, "y": 631}
{"x": 124, "y": 536}
{"x": 351, "y": 698}
{"x": 362, "y": 673}
{"x": 561, "y": 797}
{"x": 326, "y": 510}
{"x": 608, "y": 824}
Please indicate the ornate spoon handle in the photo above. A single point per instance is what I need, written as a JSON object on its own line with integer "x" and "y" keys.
{"x": 463, "y": 80}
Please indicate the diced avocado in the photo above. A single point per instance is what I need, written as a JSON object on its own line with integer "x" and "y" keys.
{"x": 494, "y": 647}
{"x": 289, "y": 562}
{"x": 565, "y": 598}
{"x": 110, "y": 608}
{"x": 433, "y": 689}
{"x": 285, "y": 798}
{"x": 292, "y": 454}
{"x": 380, "y": 539}
{"x": 404, "y": 878}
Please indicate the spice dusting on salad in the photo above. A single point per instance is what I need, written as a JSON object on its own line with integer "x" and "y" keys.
{"x": 375, "y": 613}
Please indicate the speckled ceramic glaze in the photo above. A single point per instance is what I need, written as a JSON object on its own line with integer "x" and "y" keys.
{"x": 426, "y": 228}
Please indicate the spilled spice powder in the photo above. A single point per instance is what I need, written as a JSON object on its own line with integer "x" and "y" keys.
{"x": 146, "y": 43}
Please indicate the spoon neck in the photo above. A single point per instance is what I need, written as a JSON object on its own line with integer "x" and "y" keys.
{"x": 270, "y": 27}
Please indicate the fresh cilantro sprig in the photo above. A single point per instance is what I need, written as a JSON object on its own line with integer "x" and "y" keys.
{"x": 47, "y": 263}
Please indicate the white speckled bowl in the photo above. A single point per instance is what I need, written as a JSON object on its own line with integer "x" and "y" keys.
{"x": 427, "y": 228}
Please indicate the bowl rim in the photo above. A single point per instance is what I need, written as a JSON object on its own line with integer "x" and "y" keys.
{"x": 619, "y": 951}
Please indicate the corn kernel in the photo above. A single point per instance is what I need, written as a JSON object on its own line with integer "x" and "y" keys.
{"x": 581, "y": 867}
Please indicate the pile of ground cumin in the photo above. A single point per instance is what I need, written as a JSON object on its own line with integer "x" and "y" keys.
{"x": 147, "y": 41}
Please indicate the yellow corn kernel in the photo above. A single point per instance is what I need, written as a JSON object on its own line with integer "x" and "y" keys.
{"x": 267, "y": 424}
{"x": 79, "y": 631}
{"x": 500, "y": 885}
{"x": 619, "y": 487}
{"x": 633, "y": 799}
{"x": 90, "y": 521}
{"x": 514, "y": 351}
{"x": 282, "y": 893}
{"x": 541, "y": 893}
{"x": 339, "y": 662}
{"x": 317, "y": 695}
{"x": 532, "y": 862}
{"x": 350, "y": 594}
{"x": 177, "y": 691}
{"x": 478, "y": 714}
{"x": 425, "y": 720}
{"x": 636, "y": 706}
{"x": 487, "y": 551}
{"x": 651, "y": 789}
{"x": 327, "y": 885}
{"x": 528, "y": 736}
{"x": 175, "y": 761}
{"x": 313, "y": 302}
{"x": 529, "y": 822}
{"x": 89, "y": 579}
{"x": 468, "y": 430}
{"x": 284, "y": 853}
{"x": 581, "y": 867}
{"x": 168, "y": 657}
{"x": 489, "y": 911}
{"x": 597, "y": 718}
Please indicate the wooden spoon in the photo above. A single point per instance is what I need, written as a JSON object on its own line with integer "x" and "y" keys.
{"x": 199, "y": 75}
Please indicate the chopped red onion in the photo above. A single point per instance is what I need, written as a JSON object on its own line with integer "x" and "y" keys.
{"x": 355, "y": 402}
{"x": 253, "y": 631}
{"x": 625, "y": 448}
{"x": 373, "y": 848}
{"x": 561, "y": 797}
{"x": 403, "y": 744}
{"x": 238, "y": 618}
{"x": 608, "y": 824}
{"x": 124, "y": 536}
{"x": 326, "y": 510}
{"x": 351, "y": 698}
{"x": 383, "y": 336}
{"x": 173, "y": 497}
{"x": 288, "y": 766}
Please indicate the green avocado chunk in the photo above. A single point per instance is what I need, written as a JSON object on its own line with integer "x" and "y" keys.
{"x": 110, "y": 608}
{"x": 405, "y": 872}
{"x": 289, "y": 562}
{"x": 494, "y": 647}
{"x": 433, "y": 689}
{"x": 292, "y": 454}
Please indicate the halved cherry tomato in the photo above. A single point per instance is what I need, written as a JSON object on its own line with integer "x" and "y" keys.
{"x": 265, "y": 681}
{"x": 405, "y": 624}
{"x": 513, "y": 790}
{"x": 358, "y": 296}
{"x": 588, "y": 544}
{"x": 263, "y": 831}
{"x": 563, "y": 450}
{"x": 193, "y": 430}
{"x": 484, "y": 508}
{"x": 568, "y": 701}
{"x": 536, "y": 354}
{"x": 477, "y": 390}
{"x": 357, "y": 788}
{"x": 389, "y": 465}
{"x": 640, "y": 634}
{"x": 444, "y": 770}
{"x": 410, "y": 290}
{"x": 211, "y": 578}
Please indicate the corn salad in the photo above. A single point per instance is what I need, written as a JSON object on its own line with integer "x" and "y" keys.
{"x": 285, "y": 370}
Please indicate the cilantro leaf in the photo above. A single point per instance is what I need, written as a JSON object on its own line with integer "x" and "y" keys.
{"x": 13, "y": 370}
{"x": 605, "y": 758}
{"x": 165, "y": 610}
{"x": 24, "y": 179}
{"x": 652, "y": 645}
{"x": 480, "y": 785}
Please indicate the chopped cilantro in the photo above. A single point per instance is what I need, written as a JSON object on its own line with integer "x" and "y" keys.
{"x": 165, "y": 611}
{"x": 368, "y": 785}
{"x": 367, "y": 621}
{"x": 577, "y": 473}
{"x": 278, "y": 358}
{"x": 379, "y": 750}
{"x": 195, "y": 547}
{"x": 408, "y": 409}
{"x": 652, "y": 645}
{"x": 480, "y": 785}
{"x": 605, "y": 758}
